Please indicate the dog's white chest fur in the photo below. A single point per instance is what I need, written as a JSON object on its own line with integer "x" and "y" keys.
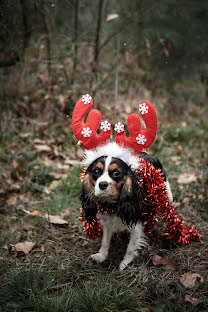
{"x": 112, "y": 222}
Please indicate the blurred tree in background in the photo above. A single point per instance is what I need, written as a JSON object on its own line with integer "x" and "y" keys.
{"x": 72, "y": 42}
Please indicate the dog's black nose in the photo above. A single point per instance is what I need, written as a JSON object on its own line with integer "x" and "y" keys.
{"x": 103, "y": 185}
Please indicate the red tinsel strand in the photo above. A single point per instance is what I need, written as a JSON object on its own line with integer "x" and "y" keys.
{"x": 155, "y": 203}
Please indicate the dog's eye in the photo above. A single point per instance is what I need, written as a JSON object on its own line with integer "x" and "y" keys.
{"x": 115, "y": 173}
{"x": 96, "y": 172}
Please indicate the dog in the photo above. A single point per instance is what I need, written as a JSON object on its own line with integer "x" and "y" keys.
{"x": 110, "y": 179}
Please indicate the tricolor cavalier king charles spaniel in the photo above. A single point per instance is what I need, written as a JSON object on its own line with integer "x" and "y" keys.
{"x": 112, "y": 180}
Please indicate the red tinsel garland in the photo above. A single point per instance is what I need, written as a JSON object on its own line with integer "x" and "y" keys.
{"x": 156, "y": 204}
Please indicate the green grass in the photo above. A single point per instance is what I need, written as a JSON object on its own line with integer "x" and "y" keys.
{"x": 37, "y": 290}
{"x": 32, "y": 289}
{"x": 66, "y": 195}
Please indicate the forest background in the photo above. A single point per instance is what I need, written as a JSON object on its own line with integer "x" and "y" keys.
{"x": 51, "y": 53}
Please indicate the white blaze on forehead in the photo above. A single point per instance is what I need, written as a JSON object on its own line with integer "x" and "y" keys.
{"x": 103, "y": 178}
{"x": 107, "y": 163}
{"x": 111, "y": 150}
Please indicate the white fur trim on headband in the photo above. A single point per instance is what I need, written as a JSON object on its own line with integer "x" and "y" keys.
{"x": 113, "y": 150}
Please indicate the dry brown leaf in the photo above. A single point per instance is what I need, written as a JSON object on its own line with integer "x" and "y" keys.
{"x": 52, "y": 186}
{"x": 191, "y": 298}
{"x": 41, "y": 124}
{"x": 72, "y": 162}
{"x": 25, "y": 246}
{"x": 42, "y": 148}
{"x": 61, "y": 166}
{"x": 39, "y": 141}
{"x": 175, "y": 159}
{"x": 14, "y": 187}
{"x": 12, "y": 199}
{"x": 56, "y": 151}
{"x": 62, "y": 101}
{"x": 52, "y": 219}
{"x": 28, "y": 227}
{"x": 25, "y": 135}
{"x": 58, "y": 175}
{"x": 65, "y": 213}
{"x": 186, "y": 200}
{"x": 55, "y": 219}
{"x": 34, "y": 213}
{"x": 157, "y": 260}
{"x": 80, "y": 153}
{"x": 47, "y": 162}
{"x": 186, "y": 178}
{"x": 111, "y": 17}
{"x": 189, "y": 279}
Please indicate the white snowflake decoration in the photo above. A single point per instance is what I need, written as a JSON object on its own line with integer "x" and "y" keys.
{"x": 143, "y": 108}
{"x": 86, "y": 132}
{"x": 86, "y": 99}
{"x": 119, "y": 127}
{"x": 141, "y": 139}
{"x": 105, "y": 125}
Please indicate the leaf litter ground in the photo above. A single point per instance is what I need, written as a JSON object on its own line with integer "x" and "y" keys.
{"x": 39, "y": 178}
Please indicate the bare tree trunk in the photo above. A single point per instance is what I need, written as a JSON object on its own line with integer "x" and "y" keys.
{"x": 47, "y": 36}
{"x": 26, "y": 19}
{"x": 97, "y": 48}
{"x": 76, "y": 20}
{"x": 97, "y": 38}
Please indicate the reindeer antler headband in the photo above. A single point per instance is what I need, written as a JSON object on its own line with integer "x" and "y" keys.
{"x": 138, "y": 139}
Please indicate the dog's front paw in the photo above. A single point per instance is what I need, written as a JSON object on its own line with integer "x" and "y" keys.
{"x": 122, "y": 266}
{"x": 98, "y": 257}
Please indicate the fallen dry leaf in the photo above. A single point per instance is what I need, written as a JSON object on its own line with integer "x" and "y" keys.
{"x": 39, "y": 141}
{"x": 58, "y": 175}
{"x": 25, "y": 246}
{"x": 61, "y": 166}
{"x": 65, "y": 213}
{"x": 72, "y": 162}
{"x": 28, "y": 227}
{"x": 55, "y": 219}
{"x": 42, "y": 148}
{"x": 175, "y": 159}
{"x": 34, "y": 213}
{"x": 25, "y": 135}
{"x": 56, "y": 151}
{"x": 80, "y": 153}
{"x": 52, "y": 186}
{"x": 189, "y": 279}
{"x": 191, "y": 298}
{"x": 112, "y": 16}
{"x": 157, "y": 260}
{"x": 52, "y": 219}
{"x": 12, "y": 199}
{"x": 186, "y": 178}
{"x": 47, "y": 162}
{"x": 14, "y": 187}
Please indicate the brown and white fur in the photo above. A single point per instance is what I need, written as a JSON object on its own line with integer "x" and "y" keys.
{"x": 111, "y": 180}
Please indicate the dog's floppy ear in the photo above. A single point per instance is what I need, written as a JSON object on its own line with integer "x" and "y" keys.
{"x": 130, "y": 201}
{"x": 88, "y": 204}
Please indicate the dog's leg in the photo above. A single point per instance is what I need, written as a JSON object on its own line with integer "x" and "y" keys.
{"x": 137, "y": 241}
{"x": 168, "y": 190}
{"x": 103, "y": 252}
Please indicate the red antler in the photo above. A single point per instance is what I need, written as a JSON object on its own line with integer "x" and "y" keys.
{"x": 86, "y": 132}
{"x": 138, "y": 139}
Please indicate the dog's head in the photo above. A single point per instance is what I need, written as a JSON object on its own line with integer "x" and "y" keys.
{"x": 111, "y": 180}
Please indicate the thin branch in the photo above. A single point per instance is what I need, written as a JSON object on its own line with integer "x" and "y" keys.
{"x": 97, "y": 39}
{"x": 76, "y": 33}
